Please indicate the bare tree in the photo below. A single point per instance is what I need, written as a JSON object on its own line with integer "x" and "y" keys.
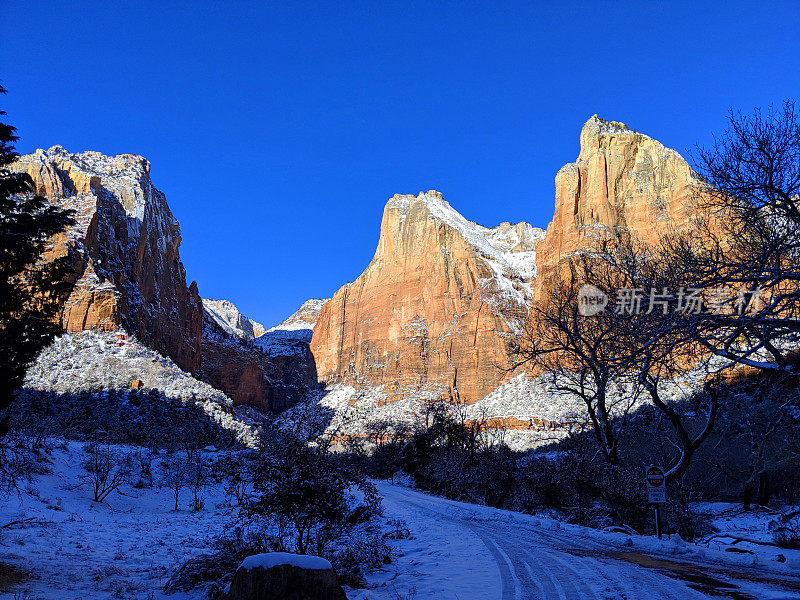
{"x": 235, "y": 471}
{"x": 584, "y": 356}
{"x": 623, "y": 356}
{"x": 661, "y": 346}
{"x": 175, "y": 476}
{"x": 106, "y": 469}
{"x": 198, "y": 474}
{"x": 746, "y": 242}
{"x": 756, "y": 436}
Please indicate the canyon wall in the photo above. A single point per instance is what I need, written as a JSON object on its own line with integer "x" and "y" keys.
{"x": 123, "y": 250}
{"x": 622, "y": 180}
{"x": 271, "y": 371}
{"x": 431, "y": 313}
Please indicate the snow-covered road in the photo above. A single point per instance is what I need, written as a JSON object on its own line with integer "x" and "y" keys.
{"x": 461, "y": 551}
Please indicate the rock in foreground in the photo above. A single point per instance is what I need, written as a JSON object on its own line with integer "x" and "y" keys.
{"x": 282, "y": 576}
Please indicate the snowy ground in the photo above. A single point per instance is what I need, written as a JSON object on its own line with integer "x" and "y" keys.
{"x": 129, "y": 546}
{"x": 123, "y": 548}
{"x": 461, "y": 551}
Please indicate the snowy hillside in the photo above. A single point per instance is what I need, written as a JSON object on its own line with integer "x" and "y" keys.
{"x": 129, "y": 546}
{"x": 92, "y": 361}
{"x": 524, "y": 412}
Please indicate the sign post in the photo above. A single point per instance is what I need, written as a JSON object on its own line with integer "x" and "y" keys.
{"x": 656, "y": 492}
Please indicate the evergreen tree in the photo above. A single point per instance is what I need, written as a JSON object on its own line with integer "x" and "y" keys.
{"x": 30, "y": 293}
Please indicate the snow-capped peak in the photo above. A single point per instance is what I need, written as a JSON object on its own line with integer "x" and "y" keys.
{"x": 304, "y": 317}
{"x": 509, "y": 250}
{"x": 227, "y": 316}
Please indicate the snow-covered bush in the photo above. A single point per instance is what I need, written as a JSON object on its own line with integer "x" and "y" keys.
{"x": 786, "y": 533}
{"x": 299, "y": 498}
{"x": 313, "y": 498}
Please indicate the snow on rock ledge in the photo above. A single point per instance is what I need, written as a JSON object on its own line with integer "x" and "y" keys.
{"x": 274, "y": 559}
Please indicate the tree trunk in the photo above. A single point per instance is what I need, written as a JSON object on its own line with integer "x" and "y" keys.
{"x": 763, "y": 490}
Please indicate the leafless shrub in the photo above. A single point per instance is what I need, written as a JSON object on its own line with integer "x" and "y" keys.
{"x": 174, "y": 473}
{"x": 786, "y": 532}
{"x": 198, "y": 471}
{"x": 234, "y": 470}
{"x": 106, "y": 469}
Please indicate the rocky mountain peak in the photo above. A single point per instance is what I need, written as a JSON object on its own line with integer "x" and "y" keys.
{"x": 621, "y": 180}
{"x": 227, "y": 316}
{"x": 304, "y": 317}
{"x": 507, "y": 251}
{"x": 431, "y": 311}
{"x": 123, "y": 250}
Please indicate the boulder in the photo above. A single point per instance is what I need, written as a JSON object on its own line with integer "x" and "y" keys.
{"x": 283, "y": 576}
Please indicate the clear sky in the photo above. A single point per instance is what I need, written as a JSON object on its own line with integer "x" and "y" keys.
{"x": 279, "y": 129}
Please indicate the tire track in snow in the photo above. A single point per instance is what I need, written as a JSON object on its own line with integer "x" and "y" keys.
{"x": 535, "y": 563}
{"x": 524, "y": 575}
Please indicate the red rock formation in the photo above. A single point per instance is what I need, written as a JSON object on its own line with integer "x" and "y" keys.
{"x": 622, "y": 180}
{"x": 270, "y": 372}
{"x": 124, "y": 250}
{"x": 431, "y": 312}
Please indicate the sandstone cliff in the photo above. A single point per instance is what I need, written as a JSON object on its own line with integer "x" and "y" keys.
{"x": 124, "y": 250}
{"x": 622, "y": 180}
{"x": 270, "y": 371}
{"x": 431, "y": 312}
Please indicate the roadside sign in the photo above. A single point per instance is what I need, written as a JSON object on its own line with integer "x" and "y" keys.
{"x": 656, "y": 490}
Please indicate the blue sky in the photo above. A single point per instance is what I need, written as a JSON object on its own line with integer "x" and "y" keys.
{"x": 278, "y": 130}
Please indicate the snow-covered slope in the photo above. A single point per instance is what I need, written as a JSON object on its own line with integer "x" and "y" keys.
{"x": 129, "y": 546}
{"x": 524, "y": 412}
{"x": 89, "y": 361}
{"x": 304, "y": 317}
{"x": 227, "y": 316}
{"x": 293, "y": 335}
